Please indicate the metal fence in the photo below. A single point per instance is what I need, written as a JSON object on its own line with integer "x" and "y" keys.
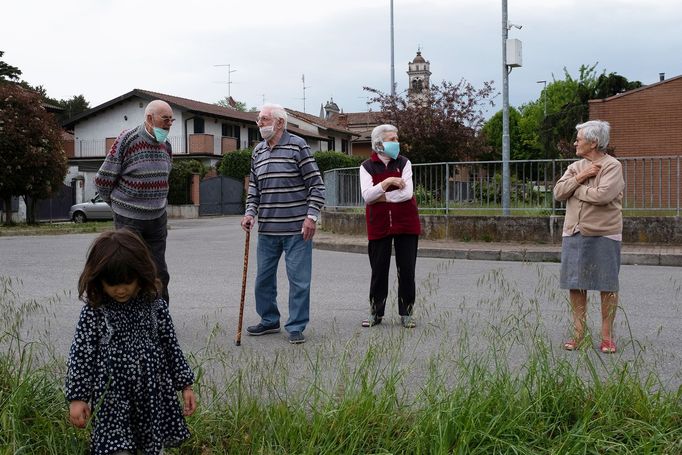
{"x": 652, "y": 184}
{"x": 98, "y": 148}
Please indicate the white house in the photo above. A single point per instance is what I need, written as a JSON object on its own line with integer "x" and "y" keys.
{"x": 202, "y": 131}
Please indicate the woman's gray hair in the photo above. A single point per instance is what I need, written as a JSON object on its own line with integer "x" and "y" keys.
{"x": 277, "y": 111}
{"x": 378, "y": 135}
{"x": 596, "y": 131}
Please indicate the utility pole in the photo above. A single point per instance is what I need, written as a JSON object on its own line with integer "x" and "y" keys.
{"x": 229, "y": 79}
{"x": 392, "y": 56}
{"x": 505, "y": 114}
{"x": 513, "y": 48}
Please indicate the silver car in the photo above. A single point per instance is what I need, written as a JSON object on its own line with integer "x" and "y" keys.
{"x": 96, "y": 209}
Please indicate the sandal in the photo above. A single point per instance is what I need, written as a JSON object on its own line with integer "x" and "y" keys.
{"x": 607, "y": 347}
{"x": 572, "y": 345}
{"x": 407, "y": 322}
{"x": 371, "y": 321}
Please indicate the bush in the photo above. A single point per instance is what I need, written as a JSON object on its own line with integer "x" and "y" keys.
{"x": 236, "y": 164}
{"x": 179, "y": 183}
{"x": 327, "y": 161}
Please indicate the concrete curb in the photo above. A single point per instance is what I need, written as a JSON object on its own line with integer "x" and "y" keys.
{"x": 509, "y": 253}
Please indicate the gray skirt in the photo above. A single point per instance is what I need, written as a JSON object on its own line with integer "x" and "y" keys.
{"x": 589, "y": 263}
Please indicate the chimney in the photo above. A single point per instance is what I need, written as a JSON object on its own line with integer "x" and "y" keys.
{"x": 661, "y": 76}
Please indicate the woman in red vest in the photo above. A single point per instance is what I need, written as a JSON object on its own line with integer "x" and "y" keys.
{"x": 392, "y": 220}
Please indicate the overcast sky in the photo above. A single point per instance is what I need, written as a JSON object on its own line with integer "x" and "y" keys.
{"x": 105, "y": 48}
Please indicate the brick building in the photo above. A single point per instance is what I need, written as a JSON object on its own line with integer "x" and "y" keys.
{"x": 646, "y": 123}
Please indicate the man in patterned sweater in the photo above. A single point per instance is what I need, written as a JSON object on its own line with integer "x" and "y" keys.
{"x": 287, "y": 193}
{"x": 133, "y": 180}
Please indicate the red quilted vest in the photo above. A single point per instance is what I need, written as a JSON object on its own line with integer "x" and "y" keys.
{"x": 389, "y": 218}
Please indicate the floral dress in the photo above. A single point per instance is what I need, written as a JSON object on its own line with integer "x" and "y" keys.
{"x": 126, "y": 362}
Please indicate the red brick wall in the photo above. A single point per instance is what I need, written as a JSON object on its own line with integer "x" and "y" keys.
{"x": 646, "y": 121}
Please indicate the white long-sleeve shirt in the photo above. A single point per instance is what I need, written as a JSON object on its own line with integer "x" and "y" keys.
{"x": 371, "y": 192}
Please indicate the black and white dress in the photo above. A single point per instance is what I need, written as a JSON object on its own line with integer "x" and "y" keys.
{"x": 125, "y": 361}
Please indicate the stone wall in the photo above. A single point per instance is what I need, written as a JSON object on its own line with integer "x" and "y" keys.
{"x": 546, "y": 229}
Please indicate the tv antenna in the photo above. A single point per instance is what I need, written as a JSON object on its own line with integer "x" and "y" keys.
{"x": 229, "y": 78}
{"x": 304, "y": 87}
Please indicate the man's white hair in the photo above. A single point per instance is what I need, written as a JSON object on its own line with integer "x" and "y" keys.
{"x": 277, "y": 111}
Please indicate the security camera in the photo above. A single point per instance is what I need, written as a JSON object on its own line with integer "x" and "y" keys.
{"x": 518, "y": 27}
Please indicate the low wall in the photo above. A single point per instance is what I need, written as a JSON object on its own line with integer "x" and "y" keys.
{"x": 183, "y": 211}
{"x": 545, "y": 229}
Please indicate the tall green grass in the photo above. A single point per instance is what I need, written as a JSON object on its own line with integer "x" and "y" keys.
{"x": 495, "y": 383}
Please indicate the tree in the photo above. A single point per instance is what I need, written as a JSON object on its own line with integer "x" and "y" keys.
{"x": 568, "y": 104}
{"x": 8, "y": 72}
{"x": 231, "y": 103}
{"x": 32, "y": 161}
{"x": 492, "y": 135}
{"x": 73, "y": 106}
{"x": 440, "y": 126}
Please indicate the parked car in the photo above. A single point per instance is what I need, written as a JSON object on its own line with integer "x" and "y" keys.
{"x": 96, "y": 209}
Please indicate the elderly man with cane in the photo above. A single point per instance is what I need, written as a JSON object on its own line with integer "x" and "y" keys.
{"x": 287, "y": 193}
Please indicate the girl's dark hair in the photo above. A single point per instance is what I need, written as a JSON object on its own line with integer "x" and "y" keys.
{"x": 117, "y": 257}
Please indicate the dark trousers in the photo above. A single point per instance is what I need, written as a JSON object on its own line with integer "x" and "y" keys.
{"x": 380, "y": 261}
{"x": 154, "y": 233}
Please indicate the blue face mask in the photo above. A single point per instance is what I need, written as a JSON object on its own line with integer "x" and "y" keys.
{"x": 160, "y": 134}
{"x": 392, "y": 149}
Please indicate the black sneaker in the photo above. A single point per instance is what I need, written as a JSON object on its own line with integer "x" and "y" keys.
{"x": 260, "y": 329}
{"x": 296, "y": 338}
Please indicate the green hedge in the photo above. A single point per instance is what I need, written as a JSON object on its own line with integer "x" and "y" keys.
{"x": 236, "y": 164}
{"x": 327, "y": 161}
{"x": 179, "y": 181}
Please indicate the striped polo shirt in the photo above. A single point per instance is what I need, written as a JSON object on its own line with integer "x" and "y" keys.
{"x": 285, "y": 186}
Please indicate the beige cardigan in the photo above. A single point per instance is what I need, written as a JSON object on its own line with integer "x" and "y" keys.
{"x": 594, "y": 207}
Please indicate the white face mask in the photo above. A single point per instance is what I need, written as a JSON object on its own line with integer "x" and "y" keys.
{"x": 267, "y": 132}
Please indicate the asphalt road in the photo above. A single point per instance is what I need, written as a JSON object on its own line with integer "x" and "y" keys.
{"x": 462, "y": 306}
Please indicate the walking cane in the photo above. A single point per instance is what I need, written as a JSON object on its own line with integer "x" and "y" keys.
{"x": 238, "y": 338}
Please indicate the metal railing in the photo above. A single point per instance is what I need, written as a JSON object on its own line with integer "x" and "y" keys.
{"x": 652, "y": 184}
{"x": 98, "y": 148}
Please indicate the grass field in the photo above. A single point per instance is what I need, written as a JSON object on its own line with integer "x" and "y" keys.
{"x": 66, "y": 227}
{"x": 355, "y": 398}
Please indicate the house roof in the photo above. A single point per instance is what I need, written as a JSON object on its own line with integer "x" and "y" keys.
{"x": 636, "y": 90}
{"x": 319, "y": 122}
{"x": 183, "y": 103}
{"x": 362, "y": 119}
{"x": 187, "y": 104}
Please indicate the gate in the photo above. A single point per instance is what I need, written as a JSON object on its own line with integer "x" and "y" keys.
{"x": 57, "y": 207}
{"x": 220, "y": 196}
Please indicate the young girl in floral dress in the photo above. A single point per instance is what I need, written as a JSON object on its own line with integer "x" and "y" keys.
{"x": 125, "y": 365}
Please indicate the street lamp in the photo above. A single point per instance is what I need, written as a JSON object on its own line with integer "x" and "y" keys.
{"x": 544, "y": 96}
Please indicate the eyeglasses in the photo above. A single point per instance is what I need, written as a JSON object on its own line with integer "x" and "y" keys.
{"x": 263, "y": 119}
{"x": 166, "y": 118}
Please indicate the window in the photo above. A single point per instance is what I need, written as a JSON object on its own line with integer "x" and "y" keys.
{"x": 330, "y": 144}
{"x": 198, "y": 125}
{"x": 232, "y": 131}
{"x": 344, "y": 146}
{"x": 254, "y": 136}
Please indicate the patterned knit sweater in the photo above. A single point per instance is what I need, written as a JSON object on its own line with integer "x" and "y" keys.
{"x": 133, "y": 179}
{"x": 285, "y": 186}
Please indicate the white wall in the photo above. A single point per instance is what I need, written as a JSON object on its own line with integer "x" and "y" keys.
{"x": 90, "y": 134}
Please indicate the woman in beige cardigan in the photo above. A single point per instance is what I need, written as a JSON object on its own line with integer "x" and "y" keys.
{"x": 590, "y": 252}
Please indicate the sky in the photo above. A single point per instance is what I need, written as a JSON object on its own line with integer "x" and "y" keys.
{"x": 102, "y": 49}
